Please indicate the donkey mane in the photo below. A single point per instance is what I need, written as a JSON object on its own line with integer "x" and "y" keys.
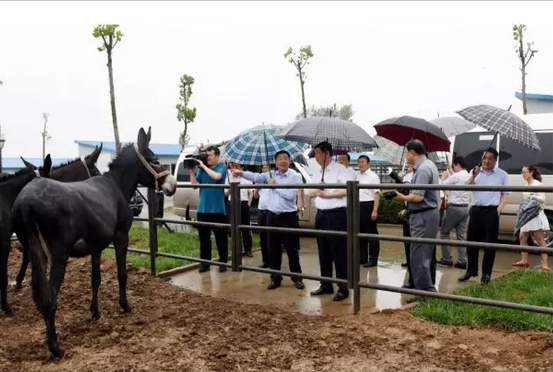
{"x": 61, "y": 165}
{"x": 7, "y": 176}
{"x": 118, "y": 161}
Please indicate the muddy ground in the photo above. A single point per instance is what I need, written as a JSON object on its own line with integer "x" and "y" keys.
{"x": 173, "y": 329}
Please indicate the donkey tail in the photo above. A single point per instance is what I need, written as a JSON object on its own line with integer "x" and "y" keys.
{"x": 27, "y": 225}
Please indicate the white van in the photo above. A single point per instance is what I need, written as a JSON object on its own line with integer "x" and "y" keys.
{"x": 512, "y": 158}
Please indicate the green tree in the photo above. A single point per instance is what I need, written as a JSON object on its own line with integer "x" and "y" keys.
{"x": 300, "y": 60}
{"x": 525, "y": 56}
{"x": 45, "y": 135}
{"x": 344, "y": 112}
{"x": 185, "y": 113}
{"x": 110, "y": 36}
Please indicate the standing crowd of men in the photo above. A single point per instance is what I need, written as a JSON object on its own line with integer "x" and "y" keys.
{"x": 278, "y": 207}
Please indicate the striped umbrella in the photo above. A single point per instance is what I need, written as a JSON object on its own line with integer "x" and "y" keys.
{"x": 259, "y": 145}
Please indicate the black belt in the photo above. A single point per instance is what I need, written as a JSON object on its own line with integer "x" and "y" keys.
{"x": 458, "y": 205}
{"x": 417, "y": 211}
{"x": 332, "y": 210}
{"x": 282, "y": 213}
{"x": 485, "y": 206}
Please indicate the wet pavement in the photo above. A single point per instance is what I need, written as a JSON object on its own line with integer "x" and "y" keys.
{"x": 251, "y": 287}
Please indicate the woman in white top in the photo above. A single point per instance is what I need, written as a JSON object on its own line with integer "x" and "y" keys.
{"x": 538, "y": 225}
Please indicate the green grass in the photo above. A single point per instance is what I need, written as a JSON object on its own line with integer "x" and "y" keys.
{"x": 523, "y": 286}
{"x": 185, "y": 244}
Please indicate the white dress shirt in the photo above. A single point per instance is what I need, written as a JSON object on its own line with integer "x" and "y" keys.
{"x": 368, "y": 178}
{"x": 241, "y": 180}
{"x": 334, "y": 173}
{"x": 263, "y": 204}
{"x": 457, "y": 196}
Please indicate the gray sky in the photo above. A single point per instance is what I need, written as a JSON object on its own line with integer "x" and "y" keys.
{"x": 387, "y": 59}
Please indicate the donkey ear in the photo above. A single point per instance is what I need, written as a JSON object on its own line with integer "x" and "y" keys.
{"x": 47, "y": 166}
{"x": 149, "y": 134}
{"x": 28, "y": 165}
{"x": 93, "y": 157}
{"x": 142, "y": 140}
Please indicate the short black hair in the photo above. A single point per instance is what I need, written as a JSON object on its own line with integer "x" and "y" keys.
{"x": 347, "y": 155}
{"x": 215, "y": 150}
{"x": 364, "y": 157}
{"x": 324, "y": 147}
{"x": 492, "y": 151}
{"x": 460, "y": 161}
{"x": 282, "y": 152}
{"x": 417, "y": 146}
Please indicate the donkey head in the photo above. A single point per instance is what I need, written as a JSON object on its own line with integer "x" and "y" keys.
{"x": 151, "y": 174}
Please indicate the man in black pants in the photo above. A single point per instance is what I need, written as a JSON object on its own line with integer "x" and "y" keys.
{"x": 283, "y": 212}
{"x": 484, "y": 214}
{"x": 211, "y": 206}
{"x": 331, "y": 215}
{"x": 369, "y": 200}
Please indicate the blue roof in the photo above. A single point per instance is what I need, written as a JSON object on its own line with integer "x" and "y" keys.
{"x": 16, "y": 163}
{"x": 160, "y": 149}
{"x": 374, "y": 159}
{"x": 541, "y": 97}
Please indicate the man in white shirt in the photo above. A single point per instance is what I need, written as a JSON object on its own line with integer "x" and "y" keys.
{"x": 369, "y": 200}
{"x": 262, "y": 211}
{"x": 246, "y": 197}
{"x": 331, "y": 207}
{"x": 345, "y": 160}
{"x": 457, "y": 213}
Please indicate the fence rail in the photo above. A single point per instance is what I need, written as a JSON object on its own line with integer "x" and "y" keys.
{"x": 352, "y": 234}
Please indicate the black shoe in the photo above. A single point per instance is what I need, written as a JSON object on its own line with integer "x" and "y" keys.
{"x": 321, "y": 291}
{"x": 274, "y": 284}
{"x": 249, "y": 254}
{"x": 299, "y": 284}
{"x": 466, "y": 277}
{"x": 265, "y": 266}
{"x": 404, "y": 264}
{"x": 340, "y": 296}
{"x": 362, "y": 262}
{"x": 461, "y": 265}
{"x": 370, "y": 264}
{"x": 408, "y": 286}
{"x": 443, "y": 262}
{"x": 203, "y": 269}
{"x": 222, "y": 269}
{"x": 416, "y": 299}
{"x": 485, "y": 278}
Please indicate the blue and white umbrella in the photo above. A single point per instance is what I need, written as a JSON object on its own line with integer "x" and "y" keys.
{"x": 259, "y": 145}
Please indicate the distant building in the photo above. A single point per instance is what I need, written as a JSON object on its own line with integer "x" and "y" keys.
{"x": 12, "y": 165}
{"x": 537, "y": 103}
{"x": 167, "y": 153}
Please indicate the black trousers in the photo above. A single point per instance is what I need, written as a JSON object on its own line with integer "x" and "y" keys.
{"x": 262, "y": 221}
{"x": 332, "y": 248}
{"x": 245, "y": 220}
{"x": 277, "y": 240}
{"x": 407, "y": 234}
{"x": 483, "y": 227}
{"x": 369, "y": 250}
{"x": 221, "y": 238}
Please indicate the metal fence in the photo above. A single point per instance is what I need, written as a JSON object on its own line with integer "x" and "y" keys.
{"x": 352, "y": 234}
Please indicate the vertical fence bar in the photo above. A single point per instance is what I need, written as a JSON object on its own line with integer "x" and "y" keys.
{"x": 349, "y": 197}
{"x": 153, "y": 229}
{"x": 236, "y": 245}
{"x": 356, "y": 220}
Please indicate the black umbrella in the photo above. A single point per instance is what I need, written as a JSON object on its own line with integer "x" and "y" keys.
{"x": 406, "y": 128}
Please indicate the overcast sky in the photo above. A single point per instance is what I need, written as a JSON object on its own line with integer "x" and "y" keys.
{"x": 387, "y": 59}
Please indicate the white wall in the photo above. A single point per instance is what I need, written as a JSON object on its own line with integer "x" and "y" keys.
{"x": 103, "y": 161}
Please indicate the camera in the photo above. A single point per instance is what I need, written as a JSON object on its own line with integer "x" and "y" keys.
{"x": 189, "y": 160}
{"x": 390, "y": 194}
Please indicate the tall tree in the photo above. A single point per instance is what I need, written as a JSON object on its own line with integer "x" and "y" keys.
{"x": 344, "y": 112}
{"x": 45, "y": 135}
{"x": 185, "y": 113}
{"x": 300, "y": 60}
{"x": 110, "y": 36}
{"x": 525, "y": 56}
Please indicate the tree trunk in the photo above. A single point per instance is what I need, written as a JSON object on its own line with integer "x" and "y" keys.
{"x": 302, "y": 83}
{"x": 524, "y": 109}
{"x": 183, "y": 142}
{"x": 112, "y": 101}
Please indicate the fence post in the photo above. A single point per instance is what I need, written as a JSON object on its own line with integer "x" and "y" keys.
{"x": 234, "y": 206}
{"x": 152, "y": 206}
{"x": 350, "y": 188}
{"x": 356, "y": 221}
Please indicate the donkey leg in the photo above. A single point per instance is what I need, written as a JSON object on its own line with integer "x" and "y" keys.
{"x": 96, "y": 281}
{"x": 121, "y": 243}
{"x": 4, "y": 254}
{"x": 22, "y": 269}
{"x": 57, "y": 273}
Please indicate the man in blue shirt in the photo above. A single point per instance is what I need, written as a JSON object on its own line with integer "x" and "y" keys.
{"x": 484, "y": 214}
{"x": 211, "y": 206}
{"x": 283, "y": 212}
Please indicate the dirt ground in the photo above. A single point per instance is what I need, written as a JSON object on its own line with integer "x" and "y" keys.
{"x": 173, "y": 329}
